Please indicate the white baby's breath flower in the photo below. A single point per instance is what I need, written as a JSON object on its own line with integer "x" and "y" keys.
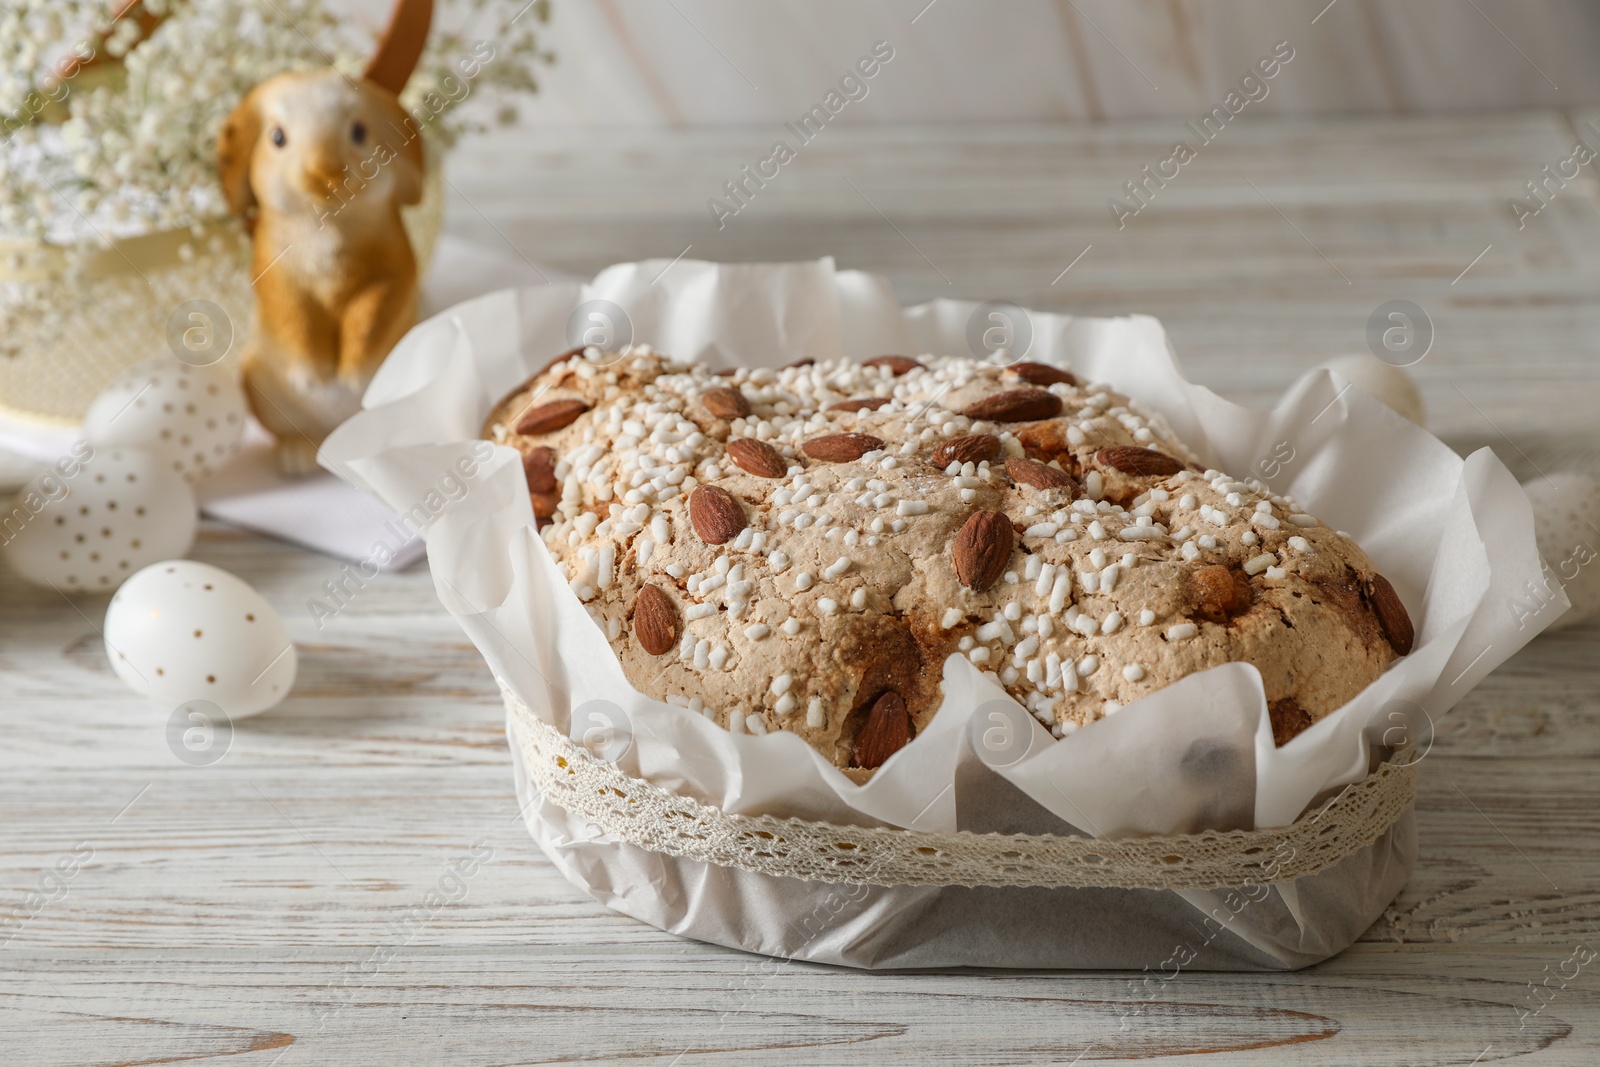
{"x": 121, "y": 152}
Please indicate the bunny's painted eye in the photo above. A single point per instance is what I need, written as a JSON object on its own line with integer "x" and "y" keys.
{"x": 278, "y": 138}
{"x": 358, "y": 133}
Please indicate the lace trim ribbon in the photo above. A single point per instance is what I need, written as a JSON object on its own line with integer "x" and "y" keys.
{"x": 640, "y": 813}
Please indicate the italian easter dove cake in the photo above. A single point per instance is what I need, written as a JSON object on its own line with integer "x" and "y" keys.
{"x": 801, "y": 549}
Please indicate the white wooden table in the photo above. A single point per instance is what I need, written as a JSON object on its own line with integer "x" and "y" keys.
{"x": 230, "y": 913}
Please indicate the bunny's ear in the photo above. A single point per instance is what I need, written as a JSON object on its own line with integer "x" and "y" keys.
{"x": 401, "y": 45}
{"x": 236, "y": 144}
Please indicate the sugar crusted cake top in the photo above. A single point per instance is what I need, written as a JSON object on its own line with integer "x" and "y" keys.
{"x": 801, "y": 549}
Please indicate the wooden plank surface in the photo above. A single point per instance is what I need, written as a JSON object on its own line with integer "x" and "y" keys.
{"x": 718, "y": 62}
{"x": 1267, "y": 254}
{"x": 225, "y": 913}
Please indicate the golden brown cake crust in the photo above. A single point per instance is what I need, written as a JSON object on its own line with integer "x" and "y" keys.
{"x": 794, "y": 586}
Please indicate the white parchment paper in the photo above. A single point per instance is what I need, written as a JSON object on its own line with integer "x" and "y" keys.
{"x": 1454, "y": 536}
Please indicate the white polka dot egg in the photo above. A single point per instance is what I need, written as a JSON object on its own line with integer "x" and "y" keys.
{"x": 95, "y": 517}
{"x": 192, "y": 417}
{"x": 181, "y": 631}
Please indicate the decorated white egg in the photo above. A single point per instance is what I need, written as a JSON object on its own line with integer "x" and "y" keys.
{"x": 1383, "y": 380}
{"x": 95, "y": 517}
{"x": 192, "y": 417}
{"x": 183, "y": 631}
{"x": 1566, "y": 524}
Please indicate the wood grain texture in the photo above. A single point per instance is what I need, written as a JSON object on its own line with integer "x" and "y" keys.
{"x": 1266, "y": 255}
{"x": 695, "y": 63}
{"x": 273, "y": 907}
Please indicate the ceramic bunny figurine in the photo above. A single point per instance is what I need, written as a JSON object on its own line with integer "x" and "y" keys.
{"x": 318, "y": 165}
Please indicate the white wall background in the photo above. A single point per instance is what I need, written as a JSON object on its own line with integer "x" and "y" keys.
{"x": 685, "y": 63}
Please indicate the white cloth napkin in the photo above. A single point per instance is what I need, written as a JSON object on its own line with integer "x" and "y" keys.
{"x": 320, "y": 511}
